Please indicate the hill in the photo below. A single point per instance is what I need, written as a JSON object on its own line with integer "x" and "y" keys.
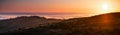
{"x": 104, "y": 24}
{"x": 25, "y": 22}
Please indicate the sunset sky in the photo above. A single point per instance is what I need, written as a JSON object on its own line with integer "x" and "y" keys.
{"x": 81, "y": 7}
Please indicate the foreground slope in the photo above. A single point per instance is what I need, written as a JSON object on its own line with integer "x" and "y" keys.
{"x": 25, "y": 22}
{"x": 105, "y": 24}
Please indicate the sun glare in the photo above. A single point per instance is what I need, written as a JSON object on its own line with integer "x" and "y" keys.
{"x": 104, "y": 9}
{"x": 105, "y": 6}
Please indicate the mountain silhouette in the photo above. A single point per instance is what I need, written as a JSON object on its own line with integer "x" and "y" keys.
{"x": 25, "y": 22}
{"x": 104, "y": 24}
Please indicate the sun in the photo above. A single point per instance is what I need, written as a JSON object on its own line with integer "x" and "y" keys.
{"x": 105, "y": 7}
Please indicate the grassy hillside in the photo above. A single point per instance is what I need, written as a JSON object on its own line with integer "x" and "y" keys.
{"x": 105, "y": 24}
{"x": 25, "y": 22}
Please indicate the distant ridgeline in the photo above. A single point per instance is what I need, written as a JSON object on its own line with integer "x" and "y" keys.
{"x": 105, "y": 24}
{"x": 13, "y": 17}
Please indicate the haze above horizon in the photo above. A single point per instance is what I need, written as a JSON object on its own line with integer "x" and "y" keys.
{"x": 73, "y": 8}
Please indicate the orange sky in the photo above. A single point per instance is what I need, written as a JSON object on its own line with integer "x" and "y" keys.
{"x": 58, "y": 6}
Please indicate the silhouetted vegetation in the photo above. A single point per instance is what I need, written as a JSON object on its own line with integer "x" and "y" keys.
{"x": 105, "y": 24}
{"x": 25, "y": 22}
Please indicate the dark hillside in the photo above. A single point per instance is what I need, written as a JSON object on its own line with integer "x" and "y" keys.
{"x": 25, "y": 22}
{"x": 105, "y": 24}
